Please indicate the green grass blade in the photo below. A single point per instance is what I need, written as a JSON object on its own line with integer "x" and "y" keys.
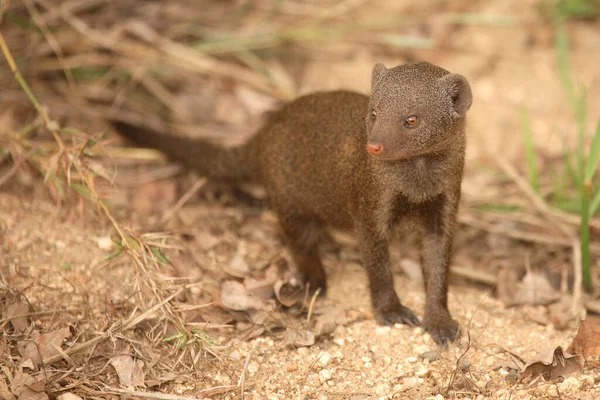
{"x": 593, "y": 156}
{"x": 595, "y": 204}
{"x": 562, "y": 52}
{"x": 530, "y": 154}
{"x": 585, "y": 238}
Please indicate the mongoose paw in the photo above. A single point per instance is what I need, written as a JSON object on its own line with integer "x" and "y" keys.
{"x": 443, "y": 333}
{"x": 396, "y": 315}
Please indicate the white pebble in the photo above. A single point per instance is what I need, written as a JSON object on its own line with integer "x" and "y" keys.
{"x": 324, "y": 358}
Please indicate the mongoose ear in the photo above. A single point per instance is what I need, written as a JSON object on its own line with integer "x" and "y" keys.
{"x": 378, "y": 71}
{"x": 457, "y": 87}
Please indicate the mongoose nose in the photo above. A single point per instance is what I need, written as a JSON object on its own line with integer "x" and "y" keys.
{"x": 374, "y": 149}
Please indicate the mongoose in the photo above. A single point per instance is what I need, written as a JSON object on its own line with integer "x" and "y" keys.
{"x": 357, "y": 162}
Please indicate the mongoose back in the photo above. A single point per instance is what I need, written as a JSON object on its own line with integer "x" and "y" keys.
{"x": 357, "y": 162}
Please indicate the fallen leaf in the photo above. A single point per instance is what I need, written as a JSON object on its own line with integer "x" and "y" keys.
{"x": 326, "y": 323}
{"x": 537, "y": 314}
{"x": 25, "y": 386}
{"x": 130, "y": 371}
{"x": 561, "y": 312}
{"x": 18, "y": 310}
{"x": 238, "y": 267}
{"x": 167, "y": 377}
{"x": 214, "y": 315}
{"x": 299, "y": 338}
{"x": 535, "y": 290}
{"x": 5, "y": 393}
{"x": 507, "y": 285}
{"x": 42, "y": 346}
{"x": 235, "y": 297}
{"x": 287, "y": 293}
{"x": 29, "y": 394}
{"x": 155, "y": 196}
{"x": 552, "y": 364}
{"x": 587, "y": 340}
{"x": 205, "y": 240}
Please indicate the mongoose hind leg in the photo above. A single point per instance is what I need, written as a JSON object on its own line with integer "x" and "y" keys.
{"x": 302, "y": 237}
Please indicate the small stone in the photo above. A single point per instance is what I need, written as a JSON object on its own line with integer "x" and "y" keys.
{"x": 382, "y": 330}
{"x": 366, "y": 359}
{"x": 421, "y": 371}
{"x": 68, "y": 396}
{"x": 253, "y": 367}
{"x": 324, "y": 358}
{"x": 235, "y": 355}
{"x": 105, "y": 243}
{"x": 410, "y": 382}
{"x": 412, "y": 359}
{"x": 339, "y": 341}
{"x": 465, "y": 364}
{"x": 324, "y": 375}
{"x": 292, "y": 367}
{"x": 430, "y": 356}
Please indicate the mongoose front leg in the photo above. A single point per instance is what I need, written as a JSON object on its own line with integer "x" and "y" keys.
{"x": 438, "y": 217}
{"x": 302, "y": 240}
{"x": 386, "y": 305}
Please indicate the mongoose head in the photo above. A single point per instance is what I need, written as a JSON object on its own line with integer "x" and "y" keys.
{"x": 415, "y": 109}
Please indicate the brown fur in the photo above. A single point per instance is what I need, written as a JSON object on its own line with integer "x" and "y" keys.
{"x": 311, "y": 157}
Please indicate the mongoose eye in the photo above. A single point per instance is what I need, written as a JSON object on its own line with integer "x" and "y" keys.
{"x": 411, "y": 121}
{"x": 373, "y": 114}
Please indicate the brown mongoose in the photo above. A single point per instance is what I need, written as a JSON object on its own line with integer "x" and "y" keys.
{"x": 322, "y": 163}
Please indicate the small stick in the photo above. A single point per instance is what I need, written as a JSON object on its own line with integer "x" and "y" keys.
{"x": 188, "y": 195}
{"x": 130, "y": 323}
{"x": 543, "y": 207}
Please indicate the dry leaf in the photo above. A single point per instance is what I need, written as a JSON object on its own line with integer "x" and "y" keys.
{"x": 535, "y": 290}
{"x": 287, "y": 293}
{"x": 561, "y": 313}
{"x": 154, "y": 196}
{"x": 5, "y": 393}
{"x": 40, "y": 347}
{"x": 19, "y": 324}
{"x": 130, "y": 371}
{"x": 235, "y": 297}
{"x": 326, "y": 323}
{"x": 238, "y": 267}
{"x": 299, "y": 338}
{"x": 538, "y": 314}
{"x": 587, "y": 340}
{"x": 25, "y": 386}
{"x": 30, "y": 394}
{"x": 552, "y": 364}
{"x": 507, "y": 285}
{"x": 205, "y": 240}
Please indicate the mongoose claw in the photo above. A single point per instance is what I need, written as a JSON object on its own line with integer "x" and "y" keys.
{"x": 397, "y": 315}
{"x": 445, "y": 334}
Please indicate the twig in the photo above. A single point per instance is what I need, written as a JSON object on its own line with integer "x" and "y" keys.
{"x": 164, "y": 396}
{"x": 242, "y": 380}
{"x": 168, "y": 214}
{"x": 541, "y": 206}
{"x": 130, "y": 323}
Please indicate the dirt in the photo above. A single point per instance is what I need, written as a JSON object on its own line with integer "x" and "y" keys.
{"x": 55, "y": 258}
